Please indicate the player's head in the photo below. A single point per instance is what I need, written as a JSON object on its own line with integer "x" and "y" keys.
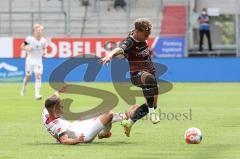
{"x": 53, "y": 105}
{"x": 142, "y": 29}
{"x": 37, "y": 30}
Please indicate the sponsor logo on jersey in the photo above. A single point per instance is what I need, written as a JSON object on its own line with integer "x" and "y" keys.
{"x": 143, "y": 53}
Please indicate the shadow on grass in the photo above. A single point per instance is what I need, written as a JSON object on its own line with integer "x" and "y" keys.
{"x": 113, "y": 143}
{"x": 116, "y": 143}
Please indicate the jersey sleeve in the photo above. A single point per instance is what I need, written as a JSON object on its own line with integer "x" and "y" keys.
{"x": 27, "y": 40}
{"x": 59, "y": 129}
{"x": 126, "y": 45}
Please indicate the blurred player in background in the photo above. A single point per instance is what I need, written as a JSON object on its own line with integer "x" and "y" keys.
{"x": 35, "y": 47}
{"x": 79, "y": 131}
{"x": 142, "y": 70}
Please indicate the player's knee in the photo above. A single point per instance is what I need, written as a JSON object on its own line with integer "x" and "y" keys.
{"x": 27, "y": 77}
{"x": 150, "y": 85}
{"x": 38, "y": 77}
{"x": 150, "y": 81}
{"x": 109, "y": 114}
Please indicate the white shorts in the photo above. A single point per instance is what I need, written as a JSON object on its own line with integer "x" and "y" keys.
{"x": 89, "y": 128}
{"x": 37, "y": 68}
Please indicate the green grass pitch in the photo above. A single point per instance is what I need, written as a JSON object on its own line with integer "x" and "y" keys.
{"x": 215, "y": 110}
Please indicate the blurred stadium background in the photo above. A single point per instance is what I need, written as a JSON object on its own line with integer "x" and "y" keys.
{"x": 83, "y": 27}
{"x": 80, "y": 27}
{"x": 99, "y": 18}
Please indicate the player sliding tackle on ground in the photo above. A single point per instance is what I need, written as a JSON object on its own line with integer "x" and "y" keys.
{"x": 80, "y": 131}
{"x": 35, "y": 47}
{"x": 142, "y": 70}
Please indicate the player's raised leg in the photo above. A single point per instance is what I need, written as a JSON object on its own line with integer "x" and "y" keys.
{"x": 150, "y": 91}
{"x": 148, "y": 83}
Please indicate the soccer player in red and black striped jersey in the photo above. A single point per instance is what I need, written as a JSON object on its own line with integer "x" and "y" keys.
{"x": 142, "y": 70}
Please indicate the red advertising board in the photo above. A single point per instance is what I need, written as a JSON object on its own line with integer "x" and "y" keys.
{"x": 72, "y": 47}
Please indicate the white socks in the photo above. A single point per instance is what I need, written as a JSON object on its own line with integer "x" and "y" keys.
{"x": 118, "y": 117}
{"x": 38, "y": 84}
{"x": 150, "y": 110}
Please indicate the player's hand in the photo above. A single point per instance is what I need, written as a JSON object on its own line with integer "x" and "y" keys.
{"x": 81, "y": 138}
{"x": 57, "y": 94}
{"x": 105, "y": 60}
{"x": 63, "y": 89}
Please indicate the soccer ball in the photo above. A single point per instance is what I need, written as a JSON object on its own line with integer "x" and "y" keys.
{"x": 193, "y": 136}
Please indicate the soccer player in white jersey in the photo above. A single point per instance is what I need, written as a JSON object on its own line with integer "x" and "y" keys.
{"x": 35, "y": 47}
{"x": 79, "y": 131}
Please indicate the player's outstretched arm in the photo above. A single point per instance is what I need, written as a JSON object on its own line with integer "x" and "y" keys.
{"x": 68, "y": 141}
{"x": 115, "y": 52}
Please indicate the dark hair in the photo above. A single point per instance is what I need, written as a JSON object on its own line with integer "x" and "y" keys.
{"x": 51, "y": 102}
